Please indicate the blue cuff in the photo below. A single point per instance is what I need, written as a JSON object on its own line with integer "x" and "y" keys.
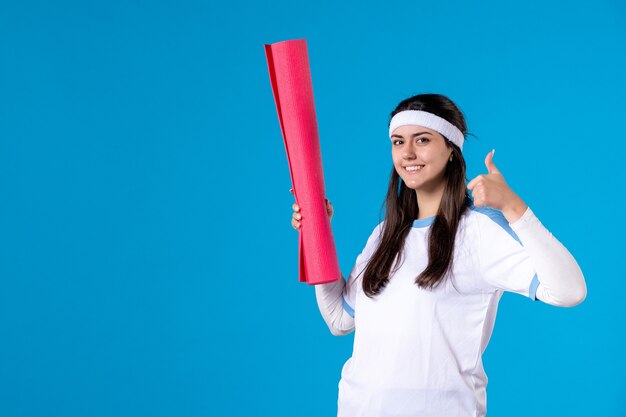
{"x": 532, "y": 291}
{"x": 347, "y": 307}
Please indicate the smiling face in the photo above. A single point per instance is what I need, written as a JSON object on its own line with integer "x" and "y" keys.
{"x": 422, "y": 147}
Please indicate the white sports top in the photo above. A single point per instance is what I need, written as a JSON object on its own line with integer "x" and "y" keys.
{"x": 418, "y": 352}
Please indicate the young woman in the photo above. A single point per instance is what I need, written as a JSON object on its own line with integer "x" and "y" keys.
{"x": 423, "y": 294}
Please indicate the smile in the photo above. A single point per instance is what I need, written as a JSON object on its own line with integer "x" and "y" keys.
{"x": 413, "y": 168}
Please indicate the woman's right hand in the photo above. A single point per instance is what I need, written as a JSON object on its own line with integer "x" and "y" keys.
{"x": 296, "y": 218}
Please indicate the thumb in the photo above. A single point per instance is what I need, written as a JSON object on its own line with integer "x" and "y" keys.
{"x": 491, "y": 167}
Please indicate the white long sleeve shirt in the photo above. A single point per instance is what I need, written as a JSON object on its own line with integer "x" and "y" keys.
{"x": 418, "y": 351}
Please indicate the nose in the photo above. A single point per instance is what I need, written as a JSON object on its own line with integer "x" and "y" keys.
{"x": 408, "y": 153}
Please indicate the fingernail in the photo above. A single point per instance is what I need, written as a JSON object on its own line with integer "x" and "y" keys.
{"x": 493, "y": 152}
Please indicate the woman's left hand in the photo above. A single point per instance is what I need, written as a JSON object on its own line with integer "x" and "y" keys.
{"x": 492, "y": 190}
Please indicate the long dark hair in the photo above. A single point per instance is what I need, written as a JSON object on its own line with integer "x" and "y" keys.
{"x": 402, "y": 209}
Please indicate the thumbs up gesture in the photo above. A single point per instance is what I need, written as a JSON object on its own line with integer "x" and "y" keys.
{"x": 492, "y": 190}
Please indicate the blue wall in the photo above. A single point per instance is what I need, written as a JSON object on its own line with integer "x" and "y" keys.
{"x": 147, "y": 263}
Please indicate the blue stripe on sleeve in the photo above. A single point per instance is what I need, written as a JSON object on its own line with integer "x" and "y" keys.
{"x": 532, "y": 291}
{"x": 347, "y": 307}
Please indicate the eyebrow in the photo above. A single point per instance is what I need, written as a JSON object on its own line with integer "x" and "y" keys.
{"x": 413, "y": 135}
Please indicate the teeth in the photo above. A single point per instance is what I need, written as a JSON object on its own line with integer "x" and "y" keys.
{"x": 414, "y": 168}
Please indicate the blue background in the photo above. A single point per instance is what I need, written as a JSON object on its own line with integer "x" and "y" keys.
{"x": 147, "y": 262}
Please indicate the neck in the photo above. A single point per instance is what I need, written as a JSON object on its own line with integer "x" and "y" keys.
{"x": 428, "y": 201}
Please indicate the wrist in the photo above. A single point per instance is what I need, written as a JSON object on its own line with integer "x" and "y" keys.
{"x": 514, "y": 210}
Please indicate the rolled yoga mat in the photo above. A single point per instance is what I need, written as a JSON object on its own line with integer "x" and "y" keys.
{"x": 290, "y": 76}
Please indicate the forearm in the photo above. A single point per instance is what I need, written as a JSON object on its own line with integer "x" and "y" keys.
{"x": 561, "y": 280}
{"x": 330, "y": 302}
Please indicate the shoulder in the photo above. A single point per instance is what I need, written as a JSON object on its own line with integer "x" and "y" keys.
{"x": 374, "y": 238}
{"x": 489, "y": 221}
{"x": 376, "y": 234}
{"x": 379, "y": 228}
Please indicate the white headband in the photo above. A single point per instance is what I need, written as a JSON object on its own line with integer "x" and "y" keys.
{"x": 429, "y": 120}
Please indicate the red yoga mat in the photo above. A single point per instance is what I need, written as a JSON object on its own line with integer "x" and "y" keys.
{"x": 290, "y": 76}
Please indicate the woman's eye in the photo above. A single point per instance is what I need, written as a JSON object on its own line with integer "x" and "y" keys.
{"x": 398, "y": 140}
